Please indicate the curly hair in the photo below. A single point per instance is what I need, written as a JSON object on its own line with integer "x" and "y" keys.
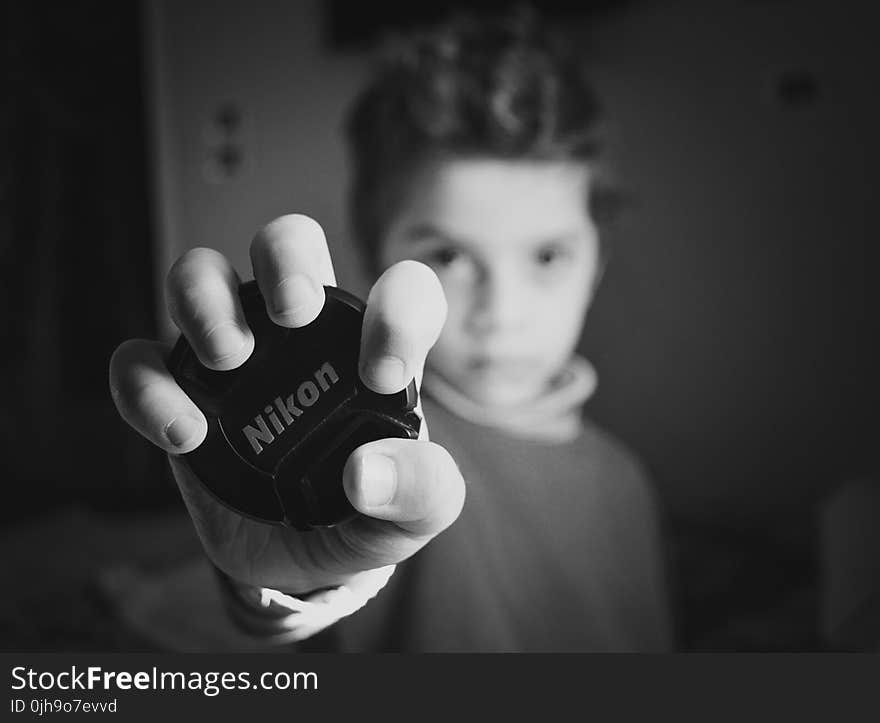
{"x": 472, "y": 87}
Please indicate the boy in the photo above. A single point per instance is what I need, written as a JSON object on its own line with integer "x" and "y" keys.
{"x": 473, "y": 166}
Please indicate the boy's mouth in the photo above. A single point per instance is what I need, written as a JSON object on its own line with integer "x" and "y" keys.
{"x": 507, "y": 366}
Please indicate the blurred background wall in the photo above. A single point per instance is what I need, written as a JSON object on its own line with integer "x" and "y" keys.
{"x": 733, "y": 334}
{"x": 76, "y": 253}
{"x": 730, "y": 333}
{"x": 267, "y": 65}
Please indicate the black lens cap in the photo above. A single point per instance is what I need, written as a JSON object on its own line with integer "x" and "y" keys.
{"x": 282, "y": 425}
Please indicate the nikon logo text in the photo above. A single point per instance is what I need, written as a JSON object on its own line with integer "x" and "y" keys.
{"x": 284, "y": 412}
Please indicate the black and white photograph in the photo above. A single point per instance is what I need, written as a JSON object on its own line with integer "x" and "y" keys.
{"x": 440, "y": 327}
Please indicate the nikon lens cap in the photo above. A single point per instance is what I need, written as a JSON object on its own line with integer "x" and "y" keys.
{"x": 282, "y": 425}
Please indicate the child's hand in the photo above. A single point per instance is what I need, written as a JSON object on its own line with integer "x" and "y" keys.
{"x": 407, "y": 490}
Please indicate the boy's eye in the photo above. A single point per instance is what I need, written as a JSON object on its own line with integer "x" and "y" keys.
{"x": 452, "y": 264}
{"x": 445, "y": 257}
{"x": 549, "y": 255}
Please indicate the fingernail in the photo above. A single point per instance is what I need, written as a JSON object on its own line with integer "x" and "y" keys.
{"x": 386, "y": 374}
{"x": 378, "y": 480}
{"x": 296, "y": 299}
{"x": 224, "y": 341}
{"x": 182, "y": 430}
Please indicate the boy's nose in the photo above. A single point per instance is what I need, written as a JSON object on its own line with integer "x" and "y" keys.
{"x": 499, "y": 304}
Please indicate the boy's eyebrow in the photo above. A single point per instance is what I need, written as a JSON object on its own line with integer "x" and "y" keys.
{"x": 429, "y": 232}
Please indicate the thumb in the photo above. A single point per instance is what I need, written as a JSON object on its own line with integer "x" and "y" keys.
{"x": 413, "y": 483}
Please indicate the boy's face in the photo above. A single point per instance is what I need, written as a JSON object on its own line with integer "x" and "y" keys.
{"x": 517, "y": 254}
